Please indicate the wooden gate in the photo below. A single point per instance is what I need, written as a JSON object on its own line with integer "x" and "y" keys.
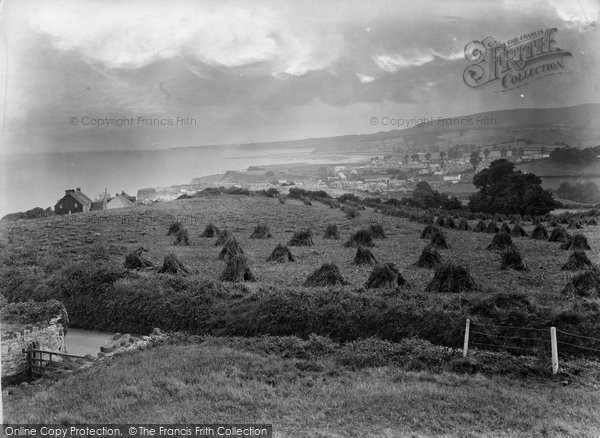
{"x": 38, "y": 360}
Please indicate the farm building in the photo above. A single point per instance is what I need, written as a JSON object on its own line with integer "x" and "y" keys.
{"x": 74, "y": 201}
{"x": 119, "y": 201}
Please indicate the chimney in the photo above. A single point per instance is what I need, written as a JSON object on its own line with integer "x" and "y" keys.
{"x": 79, "y": 189}
{"x": 69, "y": 191}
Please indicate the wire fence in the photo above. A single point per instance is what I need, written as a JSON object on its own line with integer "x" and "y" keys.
{"x": 534, "y": 341}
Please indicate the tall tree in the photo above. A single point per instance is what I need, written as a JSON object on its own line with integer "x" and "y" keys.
{"x": 502, "y": 189}
{"x": 475, "y": 160}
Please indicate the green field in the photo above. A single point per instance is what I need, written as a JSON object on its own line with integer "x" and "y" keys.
{"x": 224, "y": 381}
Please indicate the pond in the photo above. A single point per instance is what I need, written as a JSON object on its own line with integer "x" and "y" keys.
{"x": 83, "y": 342}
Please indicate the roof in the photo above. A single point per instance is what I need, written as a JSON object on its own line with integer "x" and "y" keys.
{"x": 119, "y": 201}
{"x": 78, "y": 196}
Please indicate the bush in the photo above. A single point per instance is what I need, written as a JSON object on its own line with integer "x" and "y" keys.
{"x": 34, "y": 312}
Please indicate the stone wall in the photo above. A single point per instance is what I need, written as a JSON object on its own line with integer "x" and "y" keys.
{"x": 50, "y": 337}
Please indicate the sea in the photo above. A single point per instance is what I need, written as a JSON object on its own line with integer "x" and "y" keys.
{"x": 40, "y": 180}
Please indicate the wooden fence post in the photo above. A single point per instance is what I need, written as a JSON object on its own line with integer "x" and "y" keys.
{"x": 466, "y": 343}
{"x": 554, "y": 350}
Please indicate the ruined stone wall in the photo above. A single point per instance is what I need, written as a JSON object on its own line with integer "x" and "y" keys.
{"x": 50, "y": 337}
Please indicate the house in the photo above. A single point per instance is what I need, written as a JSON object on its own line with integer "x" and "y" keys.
{"x": 74, "y": 201}
{"x": 119, "y": 201}
{"x": 131, "y": 198}
{"x": 452, "y": 178}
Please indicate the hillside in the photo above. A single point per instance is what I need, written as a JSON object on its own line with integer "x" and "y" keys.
{"x": 574, "y": 125}
{"x": 384, "y": 356}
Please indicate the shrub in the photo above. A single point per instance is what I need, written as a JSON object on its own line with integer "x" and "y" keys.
{"x": 327, "y": 275}
{"x": 449, "y": 277}
{"x": 301, "y": 238}
{"x": 34, "y": 312}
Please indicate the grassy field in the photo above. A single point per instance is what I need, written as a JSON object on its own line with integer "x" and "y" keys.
{"x": 71, "y": 239}
{"x": 215, "y": 382}
{"x": 218, "y": 381}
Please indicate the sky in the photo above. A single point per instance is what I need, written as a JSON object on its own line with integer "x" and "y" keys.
{"x": 227, "y": 71}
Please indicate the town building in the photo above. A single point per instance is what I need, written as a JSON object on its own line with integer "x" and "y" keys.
{"x": 74, "y": 201}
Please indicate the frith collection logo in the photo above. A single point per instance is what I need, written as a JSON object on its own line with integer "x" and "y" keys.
{"x": 514, "y": 63}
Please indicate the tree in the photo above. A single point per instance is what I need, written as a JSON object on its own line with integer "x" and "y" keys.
{"x": 504, "y": 190}
{"x": 415, "y": 157}
{"x": 406, "y": 158}
{"x": 504, "y": 152}
{"x": 475, "y": 160}
{"x": 428, "y": 156}
{"x": 486, "y": 152}
{"x": 442, "y": 155}
{"x": 425, "y": 197}
{"x": 543, "y": 150}
{"x": 521, "y": 152}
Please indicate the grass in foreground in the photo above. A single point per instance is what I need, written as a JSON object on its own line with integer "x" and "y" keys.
{"x": 214, "y": 382}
